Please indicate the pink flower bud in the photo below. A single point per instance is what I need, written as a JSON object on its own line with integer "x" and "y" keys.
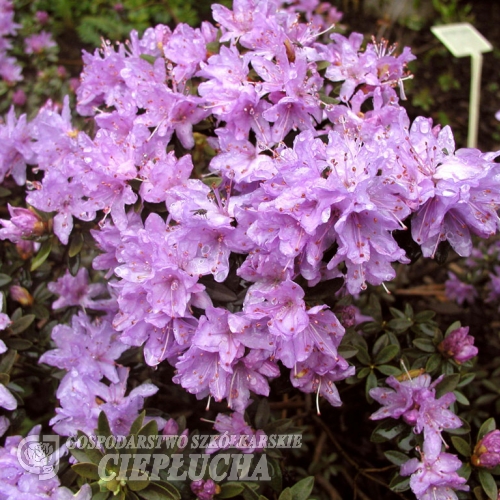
{"x": 459, "y": 345}
{"x": 19, "y": 97}
{"x": 41, "y": 16}
{"x": 21, "y": 295}
{"x": 487, "y": 451}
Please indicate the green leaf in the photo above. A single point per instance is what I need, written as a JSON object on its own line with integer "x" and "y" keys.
{"x": 103, "y": 427}
{"x": 461, "y": 445}
{"x": 396, "y": 457}
{"x": 4, "y": 279}
{"x": 396, "y": 313}
{"x": 387, "y": 430}
{"x": 150, "y": 59}
{"x": 230, "y": 490}
{"x": 263, "y": 413}
{"x": 466, "y": 379}
{"x": 399, "y": 325}
{"x": 80, "y": 455}
{"x": 86, "y": 470}
{"x": 371, "y": 383}
{"x": 389, "y": 370}
{"x": 364, "y": 372}
{"x": 155, "y": 491}
{"x": 4, "y": 192}
{"x": 137, "y": 424}
{"x": 18, "y": 344}
{"x": 249, "y": 492}
{"x": 487, "y": 427}
{"x": 74, "y": 264}
{"x": 8, "y": 361}
{"x": 95, "y": 455}
{"x": 433, "y": 363}
{"x": 426, "y": 345}
{"x": 448, "y": 384}
{"x": 454, "y": 326}
{"x": 303, "y": 488}
{"x": 275, "y": 474}
{"x": 286, "y": 494}
{"x": 462, "y": 430}
{"x": 424, "y": 316}
{"x": 42, "y": 254}
{"x": 399, "y": 483}
{"x": 461, "y": 398}
{"x": 380, "y": 343}
{"x": 138, "y": 485}
{"x": 22, "y": 324}
{"x": 101, "y": 495}
{"x": 488, "y": 483}
{"x": 363, "y": 356}
{"x": 150, "y": 429}
{"x": 76, "y": 244}
{"x": 386, "y": 354}
{"x": 347, "y": 351}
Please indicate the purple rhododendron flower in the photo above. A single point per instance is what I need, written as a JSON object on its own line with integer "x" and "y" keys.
{"x": 435, "y": 478}
{"x": 204, "y": 490}
{"x": 16, "y": 483}
{"x": 459, "y": 345}
{"x": 415, "y": 402}
{"x": 89, "y": 347}
{"x": 35, "y": 44}
{"x": 459, "y": 291}
{"x": 76, "y": 291}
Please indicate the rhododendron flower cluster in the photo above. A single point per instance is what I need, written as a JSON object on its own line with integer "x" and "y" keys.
{"x": 414, "y": 400}
{"x": 9, "y": 69}
{"x": 346, "y": 183}
{"x": 211, "y": 262}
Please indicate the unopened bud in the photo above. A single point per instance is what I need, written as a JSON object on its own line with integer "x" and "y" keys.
{"x": 21, "y": 295}
{"x": 458, "y": 345}
{"x": 487, "y": 451}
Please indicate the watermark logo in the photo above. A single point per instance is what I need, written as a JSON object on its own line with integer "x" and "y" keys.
{"x": 39, "y": 455}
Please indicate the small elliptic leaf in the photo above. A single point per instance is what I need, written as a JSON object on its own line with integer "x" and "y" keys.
{"x": 389, "y": 370}
{"x": 371, "y": 383}
{"x": 22, "y": 324}
{"x": 76, "y": 244}
{"x": 425, "y": 345}
{"x": 396, "y": 457}
{"x": 386, "y": 354}
{"x": 461, "y": 398}
{"x": 18, "y": 344}
{"x": 4, "y": 279}
{"x": 230, "y": 490}
{"x": 87, "y": 470}
{"x": 138, "y": 485}
{"x": 448, "y": 384}
{"x": 488, "y": 483}
{"x": 8, "y": 361}
{"x": 399, "y": 483}
{"x": 42, "y": 254}
{"x": 387, "y": 430}
{"x": 363, "y": 356}
{"x": 286, "y": 494}
{"x": 488, "y": 426}
{"x": 433, "y": 363}
{"x": 461, "y": 445}
{"x": 303, "y": 488}
{"x": 137, "y": 423}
